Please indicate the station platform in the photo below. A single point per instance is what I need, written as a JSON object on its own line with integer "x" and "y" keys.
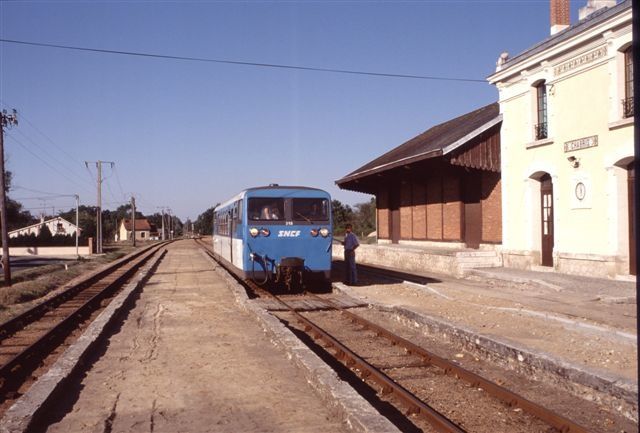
{"x": 454, "y": 261}
{"x": 188, "y": 358}
{"x": 580, "y": 327}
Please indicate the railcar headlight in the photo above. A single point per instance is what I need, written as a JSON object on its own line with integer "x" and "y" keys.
{"x": 314, "y": 232}
{"x": 324, "y": 232}
{"x": 265, "y": 232}
{"x": 253, "y": 231}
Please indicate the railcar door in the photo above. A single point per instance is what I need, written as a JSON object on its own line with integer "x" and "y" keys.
{"x": 230, "y": 227}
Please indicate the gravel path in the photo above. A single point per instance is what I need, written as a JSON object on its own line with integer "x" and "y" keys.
{"x": 187, "y": 359}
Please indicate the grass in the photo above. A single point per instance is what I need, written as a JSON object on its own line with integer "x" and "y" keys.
{"x": 32, "y": 284}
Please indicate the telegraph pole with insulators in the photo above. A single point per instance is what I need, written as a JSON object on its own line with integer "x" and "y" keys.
{"x": 133, "y": 220}
{"x": 99, "y": 211}
{"x": 5, "y": 120}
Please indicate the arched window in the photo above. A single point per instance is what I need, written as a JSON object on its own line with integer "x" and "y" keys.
{"x": 541, "y": 131}
{"x": 627, "y": 102}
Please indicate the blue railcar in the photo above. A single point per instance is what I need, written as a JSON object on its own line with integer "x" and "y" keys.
{"x": 276, "y": 235}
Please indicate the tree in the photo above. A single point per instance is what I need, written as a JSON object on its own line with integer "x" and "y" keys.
{"x": 365, "y": 217}
{"x": 342, "y": 214}
{"x": 44, "y": 237}
{"x": 86, "y": 220}
{"x": 16, "y": 216}
{"x": 204, "y": 223}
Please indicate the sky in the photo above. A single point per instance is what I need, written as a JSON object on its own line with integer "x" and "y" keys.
{"x": 187, "y": 135}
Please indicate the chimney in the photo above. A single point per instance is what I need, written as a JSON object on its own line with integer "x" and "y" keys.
{"x": 559, "y": 15}
{"x": 594, "y": 5}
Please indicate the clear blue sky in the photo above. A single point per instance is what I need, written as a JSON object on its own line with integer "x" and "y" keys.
{"x": 187, "y": 135}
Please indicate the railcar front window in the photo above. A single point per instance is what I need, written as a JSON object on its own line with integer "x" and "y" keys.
{"x": 310, "y": 209}
{"x": 266, "y": 209}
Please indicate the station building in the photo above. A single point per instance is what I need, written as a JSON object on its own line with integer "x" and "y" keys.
{"x": 543, "y": 179}
{"x": 439, "y": 192}
{"x": 567, "y": 145}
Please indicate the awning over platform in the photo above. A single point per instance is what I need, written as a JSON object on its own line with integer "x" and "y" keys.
{"x": 471, "y": 140}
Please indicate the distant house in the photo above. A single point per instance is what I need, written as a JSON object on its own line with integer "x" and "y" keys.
{"x": 154, "y": 234}
{"x": 142, "y": 229}
{"x": 57, "y": 226}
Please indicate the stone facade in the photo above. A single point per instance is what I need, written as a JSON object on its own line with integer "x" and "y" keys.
{"x": 565, "y": 118}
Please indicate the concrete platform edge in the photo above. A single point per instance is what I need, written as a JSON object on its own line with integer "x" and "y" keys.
{"x": 514, "y": 354}
{"x": 26, "y": 410}
{"x": 357, "y": 413}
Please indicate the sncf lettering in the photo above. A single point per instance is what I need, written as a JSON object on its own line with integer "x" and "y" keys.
{"x": 288, "y": 233}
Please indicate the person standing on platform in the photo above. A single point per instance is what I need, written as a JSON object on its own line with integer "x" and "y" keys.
{"x": 350, "y": 244}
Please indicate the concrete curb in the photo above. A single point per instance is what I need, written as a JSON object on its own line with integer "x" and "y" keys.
{"x": 518, "y": 357}
{"x": 28, "y": 408}
{"x": 482, "y": 273}
{"x": 357, "y": 413}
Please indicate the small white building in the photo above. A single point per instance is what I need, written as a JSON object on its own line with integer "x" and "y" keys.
{"x": 57, "y": 226}
{"x": 142, "y": 229}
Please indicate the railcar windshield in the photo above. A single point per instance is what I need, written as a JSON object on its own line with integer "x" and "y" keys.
{"x": 310, "y": 209}
{"x": 265, "y": 209}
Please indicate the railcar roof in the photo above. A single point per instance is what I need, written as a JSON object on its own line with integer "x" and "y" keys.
{"x": 242, "y": 193}
{"x": 276, "y": 187}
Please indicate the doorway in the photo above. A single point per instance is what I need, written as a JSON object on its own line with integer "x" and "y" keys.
{"x": 394, "y": 207}
{"x": 546, "y": 206}
{"x": 631, "y": 176}
{"x": 473, "y": 210}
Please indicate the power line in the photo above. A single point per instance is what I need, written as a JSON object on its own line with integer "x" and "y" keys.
{"x": 49, "y": 155}
{"x": 44, "y": 161}
{"x": 237, "y": 62}
{"x": 115, "y": 171}
{"x": 37, "y": 191}
{"x": 48, "y": 197}
{"x": 39, "y": 131}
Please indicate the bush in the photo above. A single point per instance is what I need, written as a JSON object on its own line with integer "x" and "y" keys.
{"x": 31, "y": 240}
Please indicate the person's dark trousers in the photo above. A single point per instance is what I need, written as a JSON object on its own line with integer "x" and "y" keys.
{"x": 351, "y": 275}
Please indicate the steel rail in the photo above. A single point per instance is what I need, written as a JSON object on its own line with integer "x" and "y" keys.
{"x": 557, "y": 421}
{"x": 33, "y": 314}
{"x": 352, "y": 360}
{"x": 29, "y": 355}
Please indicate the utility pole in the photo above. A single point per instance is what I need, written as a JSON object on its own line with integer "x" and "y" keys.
{"x": 133, "y": 219}
{"x": 163, "y": 234}
{"x": 77, "y": 223}
{"x": 5, "y": 120}
{"x": 170, "y": 225}
{"x": 99, "y": 211}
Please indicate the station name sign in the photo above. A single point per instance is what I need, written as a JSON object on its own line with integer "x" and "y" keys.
{"x": 581, "y": 143}
{"x": 581, "y": 60}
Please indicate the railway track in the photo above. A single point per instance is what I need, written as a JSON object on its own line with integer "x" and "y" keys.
{"x": 31, "y": 341}
{"x": 436, "y": 394}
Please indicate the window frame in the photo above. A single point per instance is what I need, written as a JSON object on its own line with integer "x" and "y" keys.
{"x": 541, "y": 127}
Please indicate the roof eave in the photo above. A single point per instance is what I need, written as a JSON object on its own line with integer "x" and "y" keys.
{"x": 555, "y": 45}
{"x": 422, "y": 156}
{"x": 388, "y": 166}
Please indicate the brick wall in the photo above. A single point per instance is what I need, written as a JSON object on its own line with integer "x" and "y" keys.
{"x": 434, "y": 208}
{"x": 406, "y": 215}
{"x": 382, "y": 205}
{"x": 491, "y": 207}
{"x": 452, "y": 208}
{"x": 419, "y": 200}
